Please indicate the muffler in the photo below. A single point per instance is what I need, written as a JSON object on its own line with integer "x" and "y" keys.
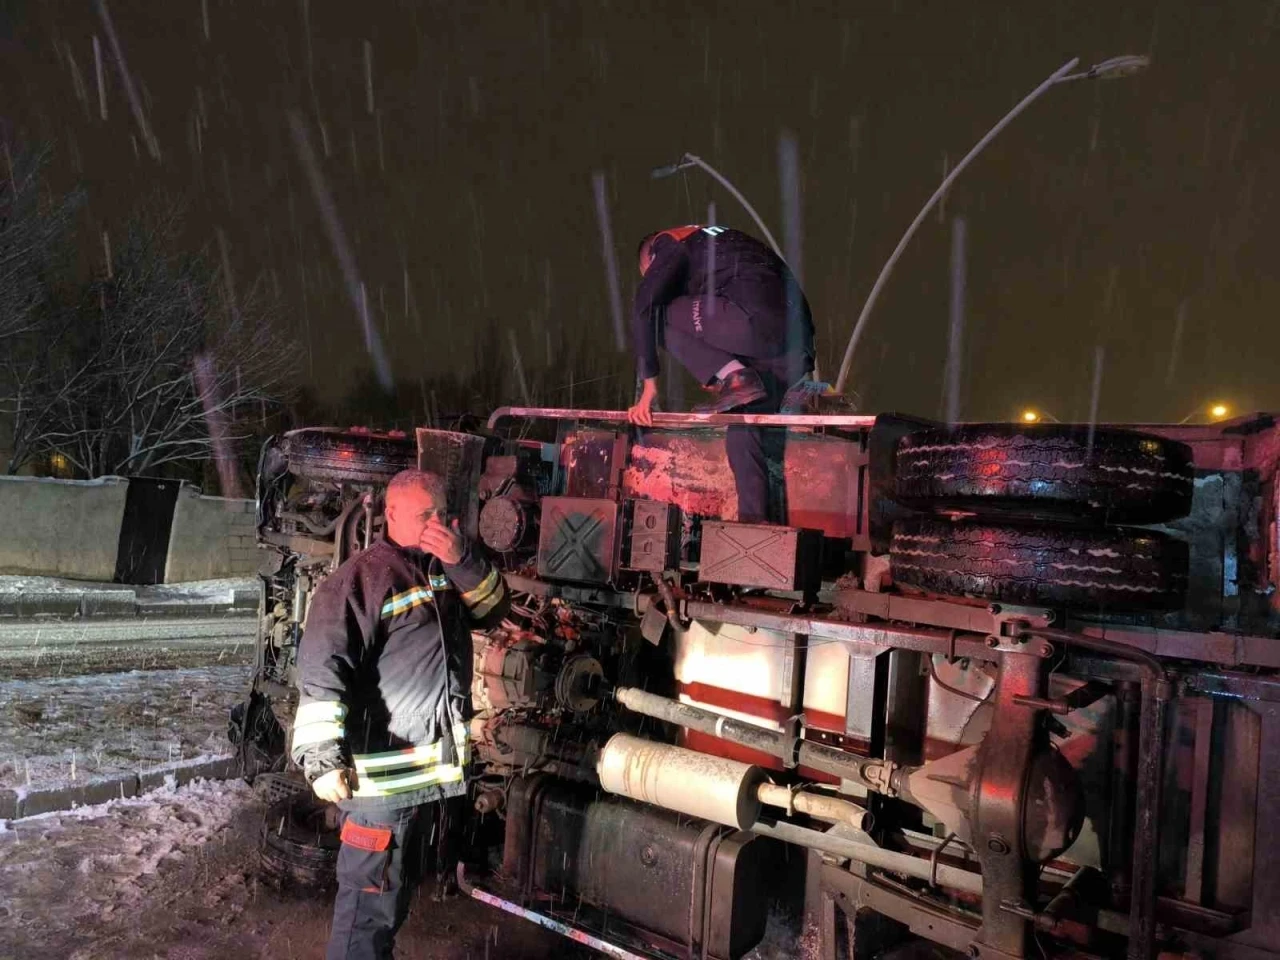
{"x": 697, "y": 784}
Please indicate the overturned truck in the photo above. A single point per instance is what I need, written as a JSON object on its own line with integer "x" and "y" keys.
{"x": 1012, "y": 689}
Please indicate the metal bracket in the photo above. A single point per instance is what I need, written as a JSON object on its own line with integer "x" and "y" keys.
{"x": 791, "y": 730}
{"x": 1012, "y": 620}
{"x": 997, "y": 816}
{"x": 933, "y": 859}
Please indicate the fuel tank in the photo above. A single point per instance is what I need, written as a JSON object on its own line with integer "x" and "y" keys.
{"x": 687, "y": 886}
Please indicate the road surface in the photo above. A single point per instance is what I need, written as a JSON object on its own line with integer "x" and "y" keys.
{"x": 32, "y": 648}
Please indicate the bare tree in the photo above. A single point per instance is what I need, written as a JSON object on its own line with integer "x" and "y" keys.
{"x": 159, "y": 362}
{"x": 34, "y": 226}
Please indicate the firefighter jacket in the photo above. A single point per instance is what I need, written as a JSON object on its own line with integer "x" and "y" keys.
{"x": 384, "y": 669}
{"x": 697, "y": 261}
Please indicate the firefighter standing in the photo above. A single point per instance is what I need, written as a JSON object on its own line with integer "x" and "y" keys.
{"x": 384, "y": 671}
{"x": 731, "y": 312}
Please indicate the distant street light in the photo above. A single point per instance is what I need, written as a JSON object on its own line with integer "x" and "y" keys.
{"x": 1107, "y": 69}
{"x": 1038, "y": 416}
{"x": 689, "y": 160}
{"x": 1215, "y": 411}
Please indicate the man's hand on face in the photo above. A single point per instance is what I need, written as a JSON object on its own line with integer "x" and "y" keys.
{"x": 333, "y": 786}
{"x": 444, "y": 542}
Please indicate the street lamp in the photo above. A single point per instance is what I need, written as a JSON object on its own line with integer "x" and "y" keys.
{"x": 1216, "y": 411}
{"x": 689, "y": 160}
{"x": 1031, "y": 415}
{"x": 1107, "y": 69}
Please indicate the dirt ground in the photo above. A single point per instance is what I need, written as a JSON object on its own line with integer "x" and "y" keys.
{"x": 174, "y": 876}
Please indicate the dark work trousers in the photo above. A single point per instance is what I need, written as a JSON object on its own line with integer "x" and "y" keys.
{"x": 703, "y": 334}
{"x": 381, "y": 860}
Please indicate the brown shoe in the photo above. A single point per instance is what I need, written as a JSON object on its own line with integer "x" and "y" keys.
{"x": 736, "y": 390}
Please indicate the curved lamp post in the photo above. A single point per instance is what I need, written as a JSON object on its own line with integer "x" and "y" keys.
{"x": 1107, "y": 69}
{"x": 689, "y": 160}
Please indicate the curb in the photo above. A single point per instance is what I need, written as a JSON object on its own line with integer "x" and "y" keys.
{"x": 116, "y": 605}
{"x": 162, "y": 609}
{"x": 15, "y": 805}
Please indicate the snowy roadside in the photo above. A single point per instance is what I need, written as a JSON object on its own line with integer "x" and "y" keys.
{"x": 77, "y": 881}
{"x": 51, "y": 647}
{"x": 58, "y": 732}
{"x": 58, "y": 597}
{"x": 210, "y": 591}
{"x": 175, "y": 875}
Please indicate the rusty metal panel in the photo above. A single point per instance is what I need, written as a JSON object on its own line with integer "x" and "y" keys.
{"x": 1193, "y": 886}
{"x": 1230, "y": 851}
{"x": 822, "y": 480}
{"x": 578, "y": 539}
{"x": 592, "y": 461}
{"x": 654, "y": 539}
{"x": 760, "y": 555}
{"x": 457, "y": 458}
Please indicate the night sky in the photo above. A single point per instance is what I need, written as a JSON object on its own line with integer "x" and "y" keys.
{"x": 1099, "y": 218}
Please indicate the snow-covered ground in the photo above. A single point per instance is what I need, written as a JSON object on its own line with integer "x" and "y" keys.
{"x": 57, "y": 730}
{"x": 69, "y": 878}
{"x": 174, "y": 875}
{"x": 193, "y": 591}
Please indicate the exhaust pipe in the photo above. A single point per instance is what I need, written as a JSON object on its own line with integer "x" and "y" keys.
{"x": 731, "y": 793}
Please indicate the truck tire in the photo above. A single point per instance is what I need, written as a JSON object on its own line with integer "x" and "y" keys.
{"x": 1049, "y": 471}
{"x": 359, "y": 456}
{"x": 1057, "y": 566}
{"x": 296, "y": 848}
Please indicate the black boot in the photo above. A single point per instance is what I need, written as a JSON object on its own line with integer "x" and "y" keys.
{"x": 736, "y": 390}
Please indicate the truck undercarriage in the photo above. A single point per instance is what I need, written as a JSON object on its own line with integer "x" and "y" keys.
{"x": 1009, "y": 689}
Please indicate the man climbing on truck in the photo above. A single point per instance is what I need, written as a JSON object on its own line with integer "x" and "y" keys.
{"x": 730, "y": 311}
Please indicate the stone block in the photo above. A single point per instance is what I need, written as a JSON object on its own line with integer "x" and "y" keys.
{"x": 220, "y": 768}
{"x": 49, "y": 799}
{"x": 109, "y": 603}
{"x": 60, "y": 605}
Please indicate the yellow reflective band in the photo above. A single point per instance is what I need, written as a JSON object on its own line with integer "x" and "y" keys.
{"x": 483, "y": 607}
{"x": 317, "y": 732}
{"x": 424, "y": 755}
{"x": 413, "y": 756}
{"x": 462, "y": 742}
{"x": 381, "y": 787}
{"x": 314, "y": 711}
{"x": 487, "y": 587}
{"x": 407, "y": 601}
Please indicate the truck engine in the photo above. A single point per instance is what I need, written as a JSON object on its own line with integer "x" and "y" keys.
{"x": 1004, "y": 688}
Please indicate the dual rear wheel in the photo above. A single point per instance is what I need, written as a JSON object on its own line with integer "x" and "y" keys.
{"x": 1039, "y": 515}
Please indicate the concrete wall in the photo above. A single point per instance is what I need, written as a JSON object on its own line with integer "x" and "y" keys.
{"x": 61, "y": 528}
{"x": 212, "y": 537}
{"x": 71, "y": 528}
